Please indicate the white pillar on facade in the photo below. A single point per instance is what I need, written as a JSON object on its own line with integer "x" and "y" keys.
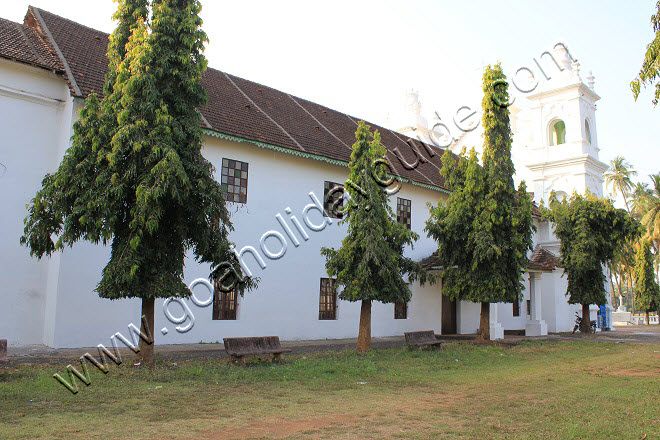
{"x": 496, "y": 330}
{"x": 536, "y": 326}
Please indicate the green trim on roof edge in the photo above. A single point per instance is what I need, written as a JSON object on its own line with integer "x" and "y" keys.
{"x": 306, "y": 155}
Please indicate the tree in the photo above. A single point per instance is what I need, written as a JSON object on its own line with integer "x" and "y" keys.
{"x": 650, "y": 71}
{"x": 134, "y": 176}
{"x": 647, "y": 292}
{"x": 619, "y": 177}
{"x": 484, "y": 230}
{"x": 370, "y": 264}
{"x": 651, "y": 217}
{"x": 590, "y": 230}
{"x": 641, "y": 195}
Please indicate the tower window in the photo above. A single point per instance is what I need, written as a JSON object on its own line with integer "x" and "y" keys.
{"x": 557, "y": 133}
{"x": 587, "y": 131}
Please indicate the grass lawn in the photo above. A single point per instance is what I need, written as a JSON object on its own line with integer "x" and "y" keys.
{"x": 531, "y": 390}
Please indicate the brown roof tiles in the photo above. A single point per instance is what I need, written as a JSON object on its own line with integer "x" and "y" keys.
{"x": 23, "y": 44}
{"x": 251, "y": 111}
{"x": 541, "y": 260}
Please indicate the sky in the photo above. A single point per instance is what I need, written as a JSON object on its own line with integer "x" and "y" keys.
{"x": 360, "y": 57}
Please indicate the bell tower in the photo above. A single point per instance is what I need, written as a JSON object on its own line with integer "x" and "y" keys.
{"x": 561, "y": 142}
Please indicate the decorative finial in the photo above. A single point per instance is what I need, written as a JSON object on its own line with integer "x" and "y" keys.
{"x": 576, "y": 68}
{"x": 590, "y": 80}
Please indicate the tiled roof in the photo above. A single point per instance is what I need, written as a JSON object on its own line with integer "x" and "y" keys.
{"x": 541, "y": 260}
{"x": 83, "y": 48}
{"x": 432, "y": 261}
{"x": 250, "y": 111}
{"x": 21, "y": 43}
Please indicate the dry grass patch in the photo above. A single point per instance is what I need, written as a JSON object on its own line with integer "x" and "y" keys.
{"x": 531, "y": 390}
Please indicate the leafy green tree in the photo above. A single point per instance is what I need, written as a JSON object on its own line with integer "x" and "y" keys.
{"x": 619, "y": 177}
{"x": 590, "y": 230}
{"x": 647, "y": 292}
{"x": 370, "y": 264}
{"x": 650, "y": 71}
{"x": 134, "y": 176}
{"x": 484, "y": 230}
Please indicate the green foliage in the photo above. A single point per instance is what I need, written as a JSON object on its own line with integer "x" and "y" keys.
{"x": 484, "y": 230}
{"x": 647, "y": 292}
{"x": 591, "y": 230}
{"x": 651, "y": 210}
{"x": 134, "y": 176}
{"x": 370, "y": 264}
{"x": 650, "y": 71}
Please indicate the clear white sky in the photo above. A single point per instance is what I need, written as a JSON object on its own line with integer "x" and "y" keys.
{"x": 360, "y": 56}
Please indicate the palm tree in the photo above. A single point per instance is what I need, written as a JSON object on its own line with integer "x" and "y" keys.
{"x": 619, "y": 177}
{"x": 641, "y": 195}
{"x": 651, "y": 218}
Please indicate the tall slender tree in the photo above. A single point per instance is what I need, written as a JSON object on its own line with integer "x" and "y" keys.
{"x": 641, "y": 195}
{"x": 649, "y": 74}
{"x": 647, "y": 292}
{"x": 370, "y": 264}
{"x": 651, "y": 217}
{"x": 590, "y": 230}
{"x": 619, "y": 177}
{"x": 484, "y": 231}
{"x": 134, "y": 176}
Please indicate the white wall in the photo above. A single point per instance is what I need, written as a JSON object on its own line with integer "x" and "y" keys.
{"x": 53, "y": 301}
{"x": 34, "y": 108}
{"x": 287, "y": 300}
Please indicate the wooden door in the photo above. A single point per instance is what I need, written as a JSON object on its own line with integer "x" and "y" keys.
{"x": 448, "y": 316}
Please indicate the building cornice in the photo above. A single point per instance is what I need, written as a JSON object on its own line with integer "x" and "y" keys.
{"x": 31, "y": 97}
{"x": 580, "y": 160}
{"x": 578, "y": 86}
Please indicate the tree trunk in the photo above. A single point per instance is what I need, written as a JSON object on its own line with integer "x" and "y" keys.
{"x": 146, "y": 350}
{"x": 632, "y": 293}
{"x": 585, "y": 325}
{"x": 625, "y": 199}
{"x": 647, "y": 318}
{"x": 364, "y": 335}
{"x": 484, "y": 322}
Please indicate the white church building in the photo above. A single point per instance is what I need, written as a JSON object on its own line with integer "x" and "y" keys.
{"x": 277, "y": 157}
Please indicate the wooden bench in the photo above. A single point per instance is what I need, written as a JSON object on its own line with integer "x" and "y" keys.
{"x": 237, "y": 348}
{"x": 422, "y": 339}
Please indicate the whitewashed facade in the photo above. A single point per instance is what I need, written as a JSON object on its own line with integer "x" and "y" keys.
{"x": 52, "y": 301}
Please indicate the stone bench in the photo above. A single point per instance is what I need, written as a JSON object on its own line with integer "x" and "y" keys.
{"x": 238, "y": 348}
{"x": 3, "y": 352}
{"x": 422, "y": 339}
